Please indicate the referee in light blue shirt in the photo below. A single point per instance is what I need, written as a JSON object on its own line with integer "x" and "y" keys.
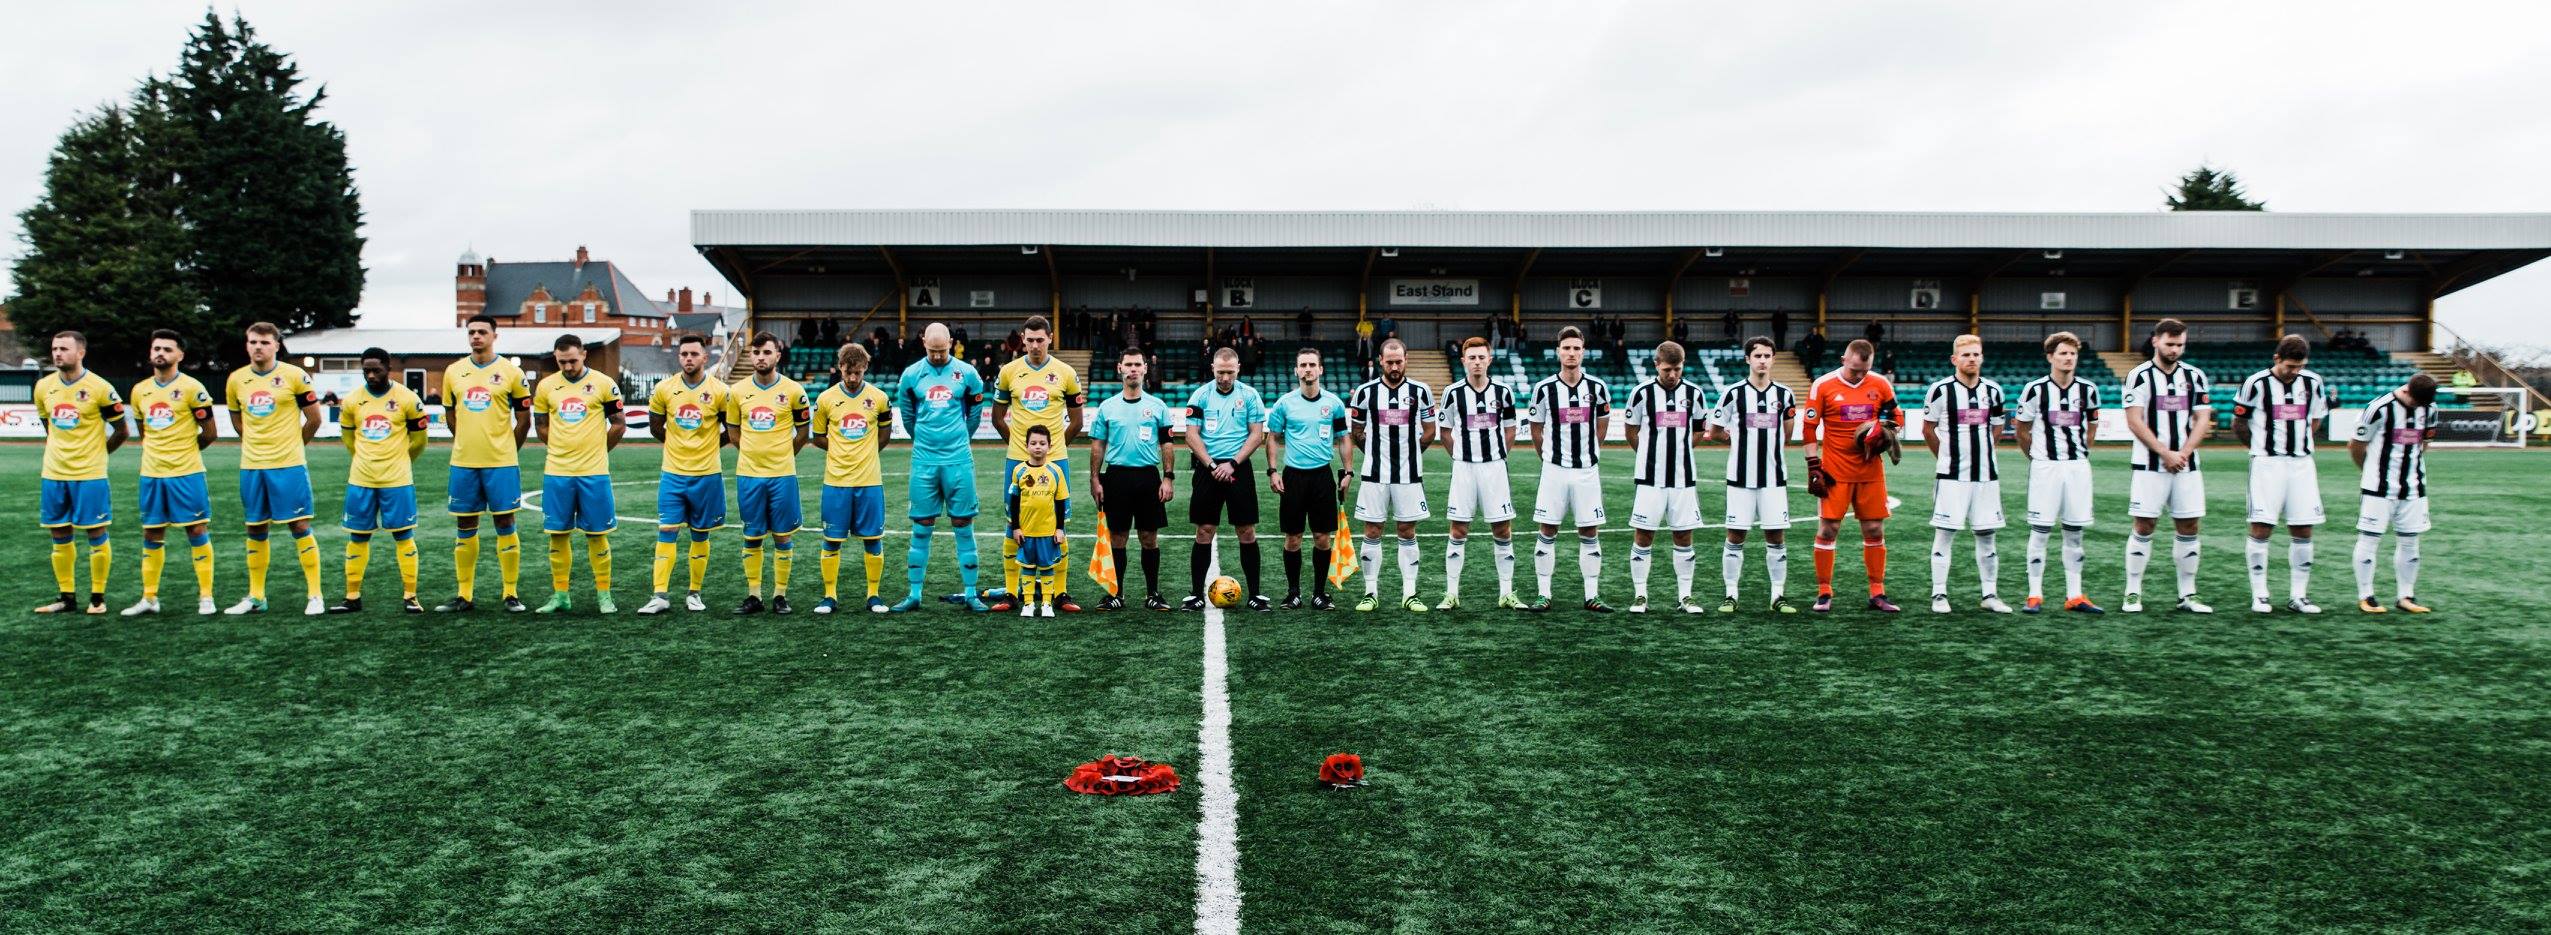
{"x": 1308, "y": 422}
{"x": 1226, "y": 423}
{"x": 1127, "y": 440}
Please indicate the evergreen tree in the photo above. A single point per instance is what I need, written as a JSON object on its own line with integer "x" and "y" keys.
{"x": 2208, "y": 190}
{"x": 272, "y": 215}
{"x": 105, "y": 251}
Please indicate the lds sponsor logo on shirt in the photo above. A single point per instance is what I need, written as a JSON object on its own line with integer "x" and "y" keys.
{"x": 261, "y": 403}
{"x": 375, "y": 427}
{"x": 687, "y": 415}
{"x": 66, "y": 416}
{"x": 1035, "y": 398}
{"x": 572, "y": 410}
{"x": 854, "y": 426}
{"x": 474, "y": 399}
{"x": 160, "y": 416}
{"x": 761, "y": 419}
{"x": 940, "y": 395}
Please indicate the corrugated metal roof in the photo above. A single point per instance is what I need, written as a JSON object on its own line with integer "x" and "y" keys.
{"x": 509, "y": 341}
{"x": 1525, "y": 229}
{"x": 508, "y": 284}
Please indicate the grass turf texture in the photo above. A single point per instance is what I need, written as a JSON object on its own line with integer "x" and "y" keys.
{"x": 1565, "y": 772}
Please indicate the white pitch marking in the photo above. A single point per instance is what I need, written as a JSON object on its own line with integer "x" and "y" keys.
{"x": 1218, "y": 830}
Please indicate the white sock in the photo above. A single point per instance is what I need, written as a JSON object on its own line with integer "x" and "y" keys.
{"x": 2186, "y": 559}
{"x": 1684, "y": 560}
{"x": 1590, "y": 564}
{"x": 1409, "y": 560}
{"x": 1453, "y": 564}
{"x": 2138, "y": 554}
{"x": 1505, "y": 549}
{"x": 1640, "y": 556}
{"x": 1988, "y": 563}
{"x": 2367, "y": 545}
{"x": 1545, "y": 561}
{"x": 2074, "y": 552}
{"x": 1370, "y": 552}
{"x": 2037, "y": 561}
{"x": 1776, "y": 560}
{"x": 1940, "y": 539}
{"x": 1731, "y": 566}
{"x": 2405, "y": 563}
{"x": 2298, "y": 567}
{"x": 2256, "y": 551}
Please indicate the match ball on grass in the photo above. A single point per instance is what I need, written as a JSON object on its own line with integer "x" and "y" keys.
{"x": 1223, "y": 592}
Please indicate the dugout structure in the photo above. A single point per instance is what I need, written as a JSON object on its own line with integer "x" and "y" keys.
{"x": 1439, "y": 275}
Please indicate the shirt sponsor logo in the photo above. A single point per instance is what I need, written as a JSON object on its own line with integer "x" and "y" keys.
{"x": 66, "y": 416}
{"x": 160, "y": 416}
{"x": 687, "y": 416}
{"x": 1761, "y": 420}
{"x": 375, "y": 427}
{"x": 1483, "y": 420}
{"x": 2407, "y": 436}
{"x": 1034, "y": 398}
{"x": 1576, "y": 415}
{"x": 1394, "y": 416}
{"x": 853, "y": 426}
{"x": 1969, "y": 416}
{"x": 2068, "y": 418}
{"x": 261, "y": 403}
{"x": 1672, "y": 420}
{"x": 2172, "y": 402}
{"x": 940, "y": 395}
{"x": 572, "y": 410}
{"x": 1857, "y": 412}
{"x": 476, "y": 399}
{"x": 761, "y": 418}
{"x": 2288, "y": 412}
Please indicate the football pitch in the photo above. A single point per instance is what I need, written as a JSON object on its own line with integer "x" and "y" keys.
{"x": 1566, "y": 772}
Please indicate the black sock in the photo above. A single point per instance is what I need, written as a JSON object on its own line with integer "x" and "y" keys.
{"x": 1151, "y": 569}
{"x": 1196, "y": 562}
{"x": 1319, "y": 571}
{"x": 1122, "y": 570}
{"x": 1292, "y": 571}
{"x": 1249, "y": 565}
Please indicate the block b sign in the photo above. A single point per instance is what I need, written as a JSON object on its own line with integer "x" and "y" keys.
{"x": 1434, "y": 292}
{"x": 1239, "y": 292}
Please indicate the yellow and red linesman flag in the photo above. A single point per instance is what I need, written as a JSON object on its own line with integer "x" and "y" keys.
{"x": 1102, "y": 560}
{"x": 1342, "y": 559}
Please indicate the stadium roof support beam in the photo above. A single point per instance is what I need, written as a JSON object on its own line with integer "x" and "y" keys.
{"x": 1053, "y": 286}
{"x": 1675, "y": 279}
{"x": 1515, "y": 290}
{"x": 2126, "y": 296}
{"x": 1211, "y": 286}
{"x": 1364, "y": 283}
{"x": 1825, "y": 284}
{"x": 903, "y": 295}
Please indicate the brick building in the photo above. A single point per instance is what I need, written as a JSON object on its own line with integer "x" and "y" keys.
{"x": 583, "y": 293}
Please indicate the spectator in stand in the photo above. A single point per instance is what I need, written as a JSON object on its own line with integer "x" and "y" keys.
{"x": 1681, "y": 332}
{"x": 1386, "y": 329}
{"x": 1733, "y": 325}
{"x": 1304, "y": 323}
{"x": 1876, "y": 333}
{"x": 1363, "y": 339}
{"x": 1248, "y": 327}
{"x": 1780, "y": 328}
{"x": 1812, "y": 347}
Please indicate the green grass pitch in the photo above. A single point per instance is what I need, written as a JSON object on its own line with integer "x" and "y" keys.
{"x": 1558, "y": 773}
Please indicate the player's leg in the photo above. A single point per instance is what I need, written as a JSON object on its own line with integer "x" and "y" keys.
{"x": 2303, "y": 513}
{"x": 927, "y": 498}
{"x": 2147, "y": 496}
{"x": 708, "y": 503}
{"x": 2409, "y": 526}
{"x": 2042, "y": 486}
{"x": 1646, "y": 505}
{"x": 1461, "y": 503}
{"x": 2266, "y": 501}
{"x": 1062, "y": 566}
{"x": 2187, "y": 510}
{"x": 671, "y": 511}
{"x": 1738, "y": 516}
{"x": 1293, "y": 515}
{"x": 1496, "y": 504}
{"x": 1372, "y": 507}
{"x": 53, "y": 508}
{"x": 1319, "y": 487}
{"x": 1869, "y": 505}
{"x": 1585, "y": 505}
{"x": 2373, "y": 518}
{"x": 1550, "y": 502}
{"x": 1120, "y": 529}
{"x": 752, "y": 500}
{"x": 296, "y": 508}
{"x": 1949, "y": 499}
{"x": 868, "y": 523}
{"x": 1011, "y": 569}
{"x": 154, "y": 558}
{"x": 1684, "y": 566}
{"x": 1985, "y": 518}
{"x": 505, "y": 495}
{"x": 1200, "y": 556}
{"x": 600, "y": 516}
{"x": 962, "y": 506}
{"x": 1409, "y": 558}
{"x": 2075, "y": 514}
{"x": 832, "y": 509}
{"x": 1501, "y": 544}
{"x": 558, "y": 510}
{"x": 361, "y": 520}
{"x": 788, "y": 514}
{"x": 1240, "y": 505}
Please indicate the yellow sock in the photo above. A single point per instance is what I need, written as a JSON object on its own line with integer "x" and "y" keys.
{"x": 101, "y": 560}
{"x": 752, "y": 568}
{"x": 662, "y": 571}
{"x": 872, "y": 553}
{"x": 779, "y": 569}
{"x": 1010, "y": 570}
{"x": 305, "y": 549}
{"x": 407, "y": 568}
{"x": 465, "y": 564}
{"x": 358, "y": 558}
{"x": 598, "y": 555}
{"x": 699, "y": 562}
{"x": 66, "y": 559}
{"x": 154, "y": 557}
{"x": 830, "y": 565}
{"x": 509, "y": 562}
{"x": 203, "y": 558}
{"x": 562, "y": 562}
{"x": 258, "y": 556}
{"x": 1058, "y": 577}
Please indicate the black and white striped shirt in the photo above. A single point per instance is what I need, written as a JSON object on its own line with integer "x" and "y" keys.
{"x": 1964, "y": 419}
{"x": 2062, "y": 417}
{"x": 2395, "y": 434}
{"x": 1395, "y": 420}
{"x": 1569, "y": 419}
{"x": 1476, "y": 421}
{"x": 2170, "y": 401}
{"x": 1665, "y": 418}
{"x": 2281, "y": 413}
{"x": 1757, "y": 421}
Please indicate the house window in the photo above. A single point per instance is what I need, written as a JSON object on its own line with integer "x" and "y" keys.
{"x": 539, "y": 312}
{"x": 340, "y": 365}
{"x": 590, "y": 309}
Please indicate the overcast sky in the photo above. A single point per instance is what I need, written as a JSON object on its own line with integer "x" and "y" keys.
{"x": 526, "y": 128}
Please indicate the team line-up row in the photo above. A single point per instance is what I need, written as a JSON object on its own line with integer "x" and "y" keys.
{"x": 1309, "y": 437}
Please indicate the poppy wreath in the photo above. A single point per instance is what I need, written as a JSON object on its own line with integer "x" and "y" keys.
{"x": 1122, "y": 775}
{"x": 1342, "y": 770}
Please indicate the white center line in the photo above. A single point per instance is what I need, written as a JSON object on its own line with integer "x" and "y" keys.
{"x": 1218, "y": 831}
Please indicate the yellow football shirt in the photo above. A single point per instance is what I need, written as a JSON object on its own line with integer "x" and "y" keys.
{"x": 75, "y": 417}
{"x": 766, "y": 419}
{"x": 1037, "y": 396}
{"x": 382, "y": 426}
{"x": 170, "y": 414}
{"x": 269, "y": 406}
{"x": 694, "y": 420}
{"x": 579, "y": 432}
{"x": 480, "y": 404}
{"x": 1039, "y": 488}
{"x": 857, "y": 425}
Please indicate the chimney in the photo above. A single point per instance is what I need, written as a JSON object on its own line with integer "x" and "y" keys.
{"x": 683, "y": 304}
{"x": 668, "y": 296}
{"x": 469, "y": 287}
{"x": 708, "y": 298}
{"x": 581, "y": 257}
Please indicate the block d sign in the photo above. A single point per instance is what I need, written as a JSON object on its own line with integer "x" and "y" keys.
{"x": 1585, "y": 293}
{"x": 1434, "y": 292}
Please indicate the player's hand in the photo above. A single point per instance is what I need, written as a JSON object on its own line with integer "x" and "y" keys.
{"x": 1166, "y": 490}
{"x": 1817, "y": 480}
{"x": 2173, "y": 462}
{"x": 1224, "y": 471}
{"x": 1275, "y": 481}
{"x": 1098, "y": 494}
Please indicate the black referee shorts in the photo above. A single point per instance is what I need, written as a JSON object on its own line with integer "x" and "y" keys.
{"x": 1212, "y": 498}
{"x": 1310, "y": 500}
{"x": 1133, "y": 499}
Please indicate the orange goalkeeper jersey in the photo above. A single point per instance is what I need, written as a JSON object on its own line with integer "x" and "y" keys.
{"x": 1837, "y": 408}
